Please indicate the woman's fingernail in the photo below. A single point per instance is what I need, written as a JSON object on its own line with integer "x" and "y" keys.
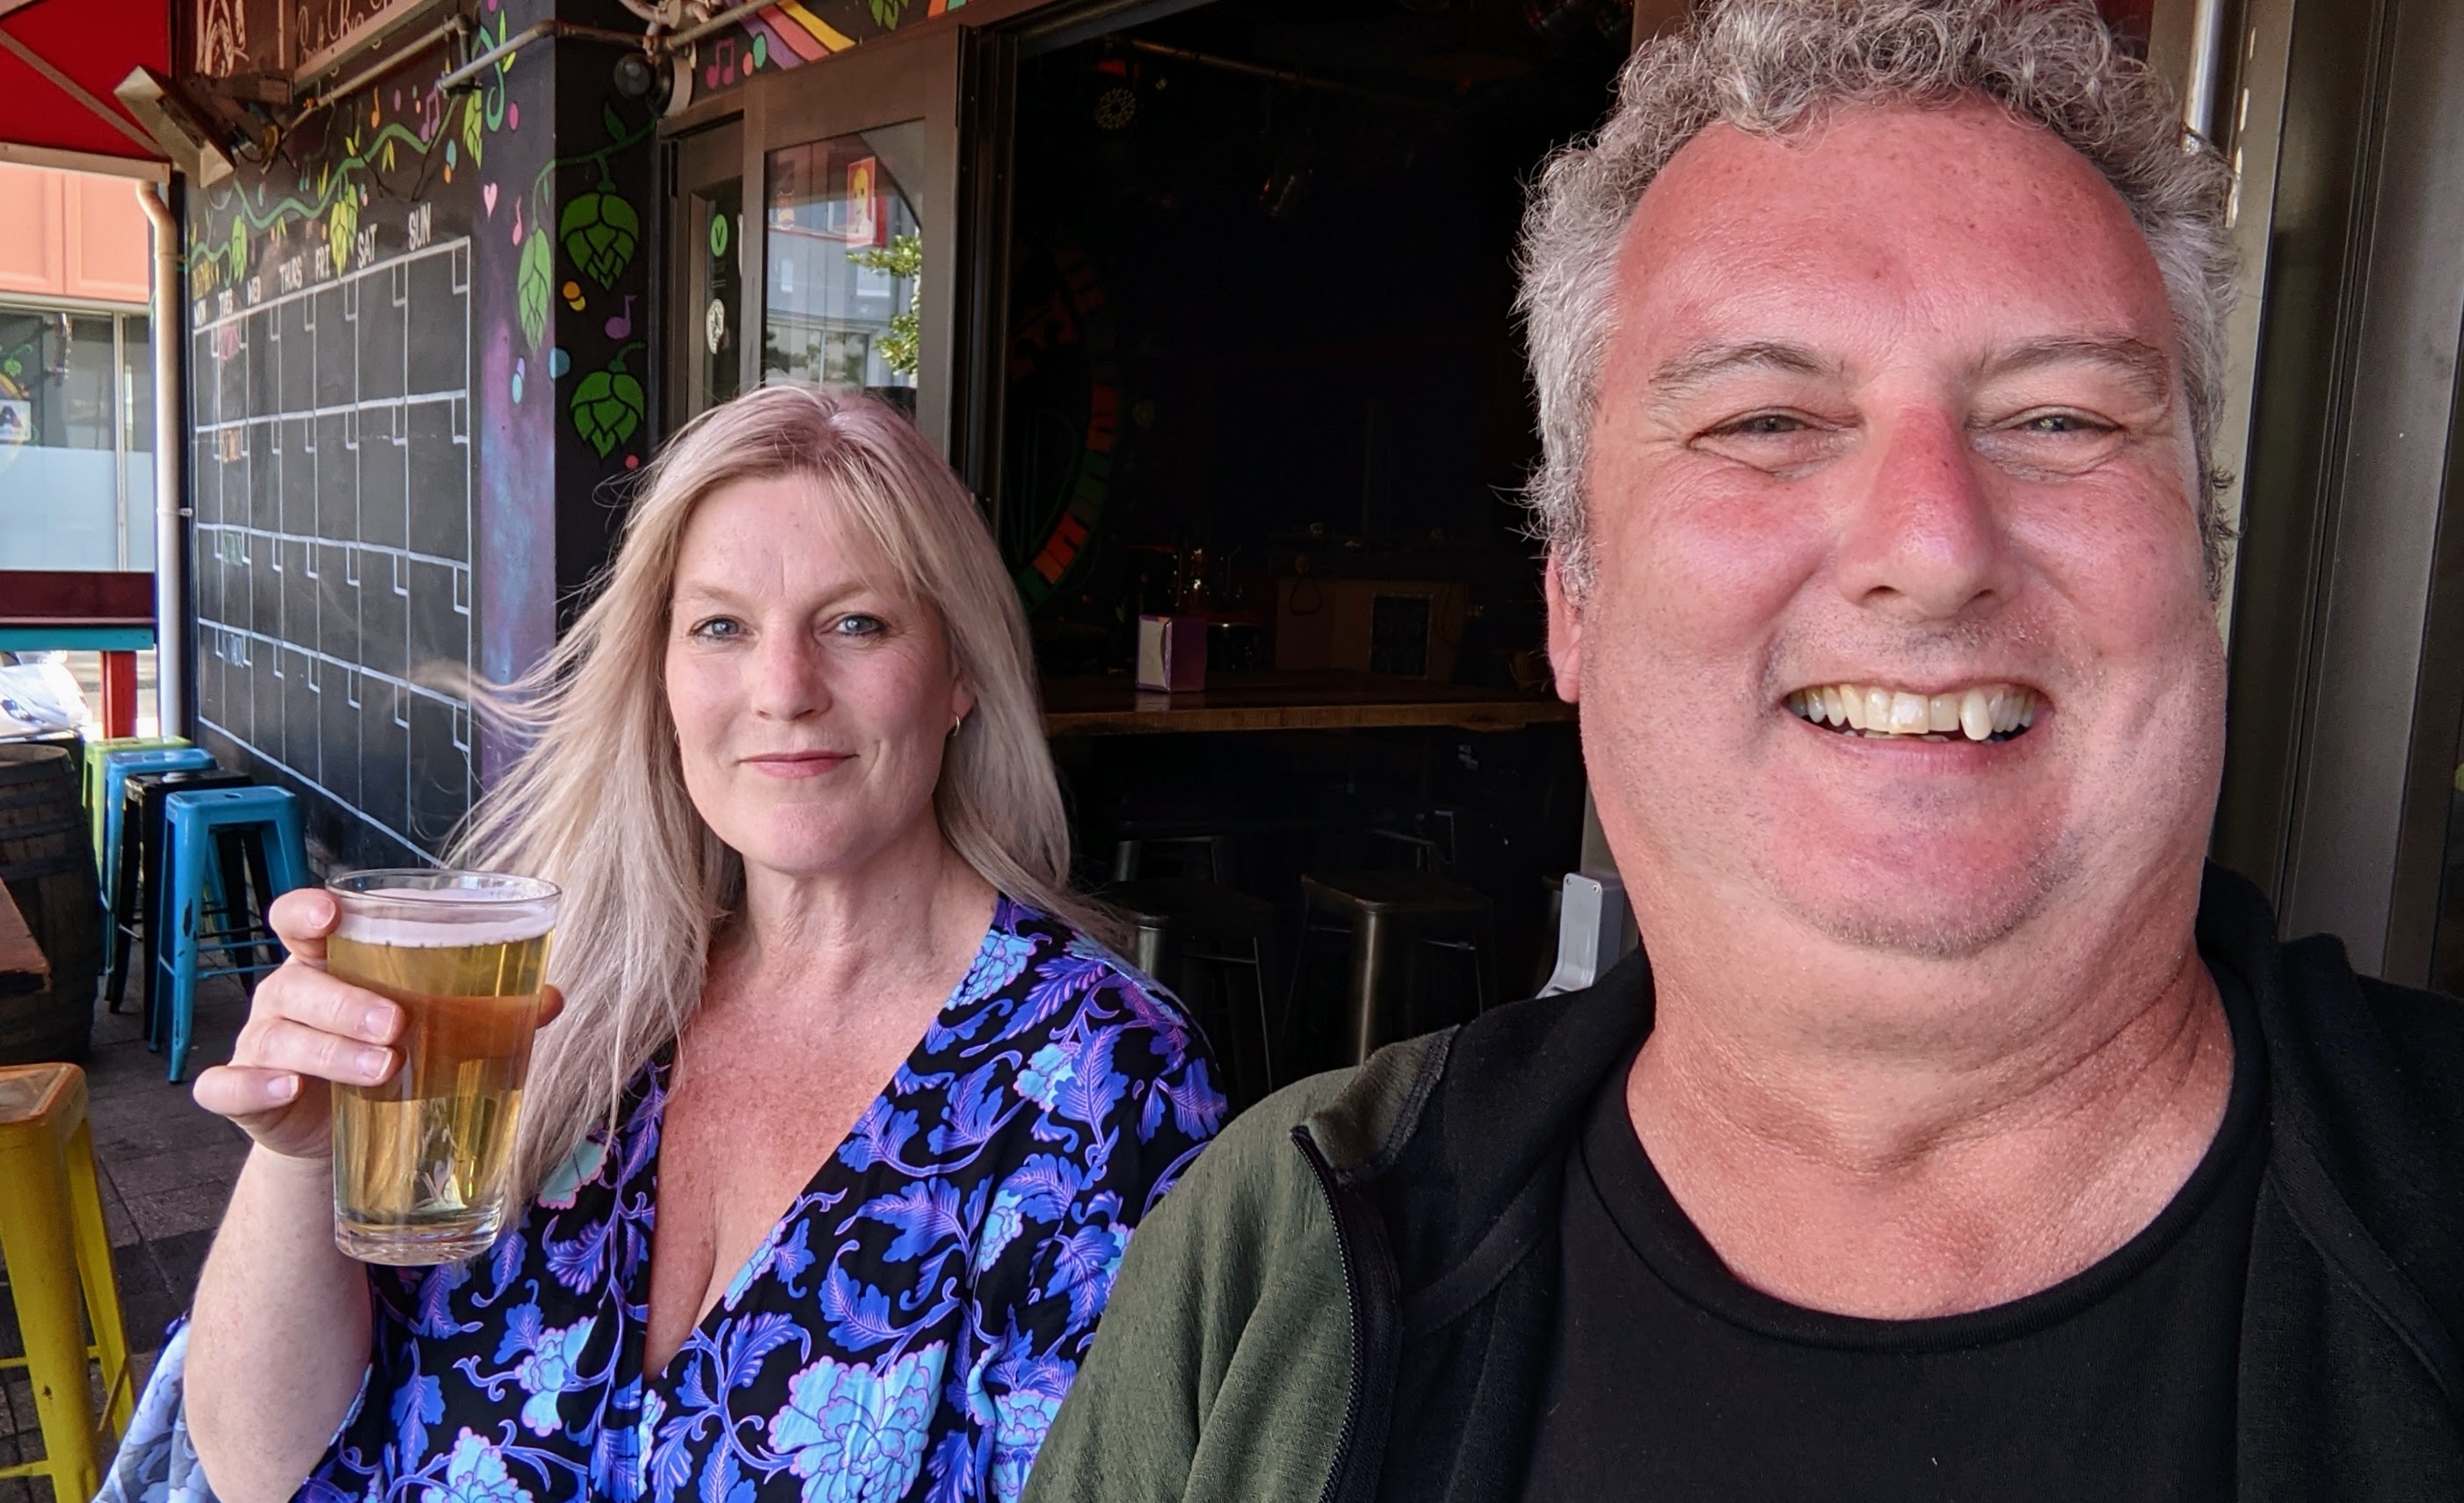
{"x": 376, "y": 1020}
{"x": 372, "y": 1063}
{"x": 282, "y": 1087}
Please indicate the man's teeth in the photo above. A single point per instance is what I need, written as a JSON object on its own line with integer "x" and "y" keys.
{"x": 1979, "y": 714}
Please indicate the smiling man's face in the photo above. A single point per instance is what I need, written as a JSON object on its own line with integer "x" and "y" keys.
{"x": 1898, "y": 629}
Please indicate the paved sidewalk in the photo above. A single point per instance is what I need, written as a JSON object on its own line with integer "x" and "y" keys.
{"x": 166, "y": 1169}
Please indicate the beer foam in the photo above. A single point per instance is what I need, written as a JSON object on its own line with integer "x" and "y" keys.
{"x": 482, "y": 921}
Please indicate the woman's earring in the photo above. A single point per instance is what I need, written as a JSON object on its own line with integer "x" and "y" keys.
{"x": 956, "y": 721}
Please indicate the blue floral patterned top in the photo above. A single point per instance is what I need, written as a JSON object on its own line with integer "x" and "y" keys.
{"x": 906, "y": 1331}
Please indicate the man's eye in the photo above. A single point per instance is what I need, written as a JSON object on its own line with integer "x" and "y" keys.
{"x": 1766, "y": 424}
{"x": 2062, "y": 423}
{"x": 717, "y": 628}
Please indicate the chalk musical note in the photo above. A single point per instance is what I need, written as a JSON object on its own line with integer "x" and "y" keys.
{"x": 622, "y": 325}
{"x": 722, "y": 65}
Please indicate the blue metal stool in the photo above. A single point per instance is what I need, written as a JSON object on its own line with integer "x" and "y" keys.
{"x": 90, "y": 767}
{"x": 192, "y": 824}
{"x": 111, "y": 786}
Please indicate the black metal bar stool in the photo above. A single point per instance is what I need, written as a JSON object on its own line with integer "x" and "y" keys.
{"x": 136, "y": 904}
{"x": 1394, "y": 917}
{"x": 1195, "y": 937}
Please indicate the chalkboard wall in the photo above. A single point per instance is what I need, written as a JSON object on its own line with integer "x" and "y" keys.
{"x": 389, "y": 322}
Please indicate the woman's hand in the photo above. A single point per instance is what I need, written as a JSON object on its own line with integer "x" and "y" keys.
{"x": 305, "y": 1033}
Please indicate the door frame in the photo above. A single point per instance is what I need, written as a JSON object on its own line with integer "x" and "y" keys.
{"x": 680, "y": 320}
{"x": 904, "y": 77}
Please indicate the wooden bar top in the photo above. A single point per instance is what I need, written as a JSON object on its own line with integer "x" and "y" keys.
{"x": 1332, "y": 700}
{"x": 22, "y": 965}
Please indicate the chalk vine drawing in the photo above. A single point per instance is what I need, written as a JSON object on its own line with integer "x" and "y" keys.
{"x": 598, "y": 229}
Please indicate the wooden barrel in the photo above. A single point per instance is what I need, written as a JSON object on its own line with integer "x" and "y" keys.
{"x": 47, "y": 860}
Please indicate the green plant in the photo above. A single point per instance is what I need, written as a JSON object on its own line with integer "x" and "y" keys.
{"x": 903, "y": 258}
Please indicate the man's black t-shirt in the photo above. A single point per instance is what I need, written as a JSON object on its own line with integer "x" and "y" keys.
{"x": 1674, "y": 1381}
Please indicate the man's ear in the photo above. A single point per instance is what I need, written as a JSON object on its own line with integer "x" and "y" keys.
{"x": 1565, "y": 633}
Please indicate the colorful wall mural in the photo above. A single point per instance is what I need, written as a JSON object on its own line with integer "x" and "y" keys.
{"x": 419, "y": 352}
{"x": 795, "y": 32}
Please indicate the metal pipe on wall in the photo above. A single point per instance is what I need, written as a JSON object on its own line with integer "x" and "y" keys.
{"x": 2207, "y": 68}
{"x": 170, "y": 468}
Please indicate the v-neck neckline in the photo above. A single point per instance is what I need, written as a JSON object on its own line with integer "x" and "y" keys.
{"x": 1007, "y": 917}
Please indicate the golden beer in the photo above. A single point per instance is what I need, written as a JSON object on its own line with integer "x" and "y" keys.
{"x": 421, "y": 1162}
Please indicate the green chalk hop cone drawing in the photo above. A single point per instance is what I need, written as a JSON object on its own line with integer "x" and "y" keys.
{"x": 341, "y": 227}
{"x": 534, "y": 284}
{"x": 600, "y": 230}
{"x": 607, "y": 404}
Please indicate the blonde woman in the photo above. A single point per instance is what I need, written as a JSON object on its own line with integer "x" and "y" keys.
{"x": 835, "y": 1146}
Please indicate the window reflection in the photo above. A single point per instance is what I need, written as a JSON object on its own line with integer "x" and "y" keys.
{"x": 845, "y": 255}
{"x": 76, "y": 435}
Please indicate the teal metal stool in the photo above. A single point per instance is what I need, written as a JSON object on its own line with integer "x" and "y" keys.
{"x": 111, "y": 786}
{"x": 193, "y": 825}
{"x": 90, "y": 767}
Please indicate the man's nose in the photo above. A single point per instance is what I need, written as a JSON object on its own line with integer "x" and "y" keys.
{"x": 788, "y": 682}
{"x": 1923, "y": 537}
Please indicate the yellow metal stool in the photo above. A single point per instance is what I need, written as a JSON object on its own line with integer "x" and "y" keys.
{"x": 53, "y": 1240}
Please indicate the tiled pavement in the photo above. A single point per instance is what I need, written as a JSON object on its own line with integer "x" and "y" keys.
{"x": 166, "y": 1169}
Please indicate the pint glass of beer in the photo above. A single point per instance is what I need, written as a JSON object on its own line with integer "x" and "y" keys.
{"x": 421, "y": 1162}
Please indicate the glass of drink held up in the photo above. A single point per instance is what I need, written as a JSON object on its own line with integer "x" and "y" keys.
{"x": 422, "y": 1162}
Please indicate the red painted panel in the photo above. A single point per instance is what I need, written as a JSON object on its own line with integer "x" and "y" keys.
{"x": 42, "y": 595}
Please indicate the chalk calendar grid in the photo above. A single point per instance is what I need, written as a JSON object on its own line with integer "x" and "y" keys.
{"x": 333, "y": 537}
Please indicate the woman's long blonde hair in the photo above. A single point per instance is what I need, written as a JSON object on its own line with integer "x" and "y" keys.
{"x": 598, "y": 805}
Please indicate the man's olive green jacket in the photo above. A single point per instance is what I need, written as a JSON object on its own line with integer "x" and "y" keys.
{"x": 1352, "y": 1295}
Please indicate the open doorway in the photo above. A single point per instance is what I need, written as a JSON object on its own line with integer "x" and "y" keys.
{"x": 1264, "y": 375}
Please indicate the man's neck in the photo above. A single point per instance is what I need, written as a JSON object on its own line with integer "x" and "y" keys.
{"x": 1886, "y": 1179}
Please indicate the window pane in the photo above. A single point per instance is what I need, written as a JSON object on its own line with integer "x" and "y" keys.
{"x": 137, "y": 401}
{"x": 845, "y": 250}
{"x": 59, "y": 470}
{"x": 137, "y": 381}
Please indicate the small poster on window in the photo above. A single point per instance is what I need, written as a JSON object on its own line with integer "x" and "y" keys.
{"x": 863, "y": 203}
{"x": 16, "y": 420}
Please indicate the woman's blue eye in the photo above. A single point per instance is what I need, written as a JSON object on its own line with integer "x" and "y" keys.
{"x": 858, "y": 625}
{"x": 716, "y": 627}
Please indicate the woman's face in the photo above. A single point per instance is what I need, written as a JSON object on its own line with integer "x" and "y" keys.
{"x": 812, "y": 705}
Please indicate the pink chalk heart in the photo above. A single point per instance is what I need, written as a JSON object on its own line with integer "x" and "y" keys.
{"x": 487, "y": 196}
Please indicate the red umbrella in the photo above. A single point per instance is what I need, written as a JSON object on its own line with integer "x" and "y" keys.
{"x": 59, "y": 62}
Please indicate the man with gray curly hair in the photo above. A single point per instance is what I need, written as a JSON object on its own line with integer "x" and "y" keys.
{"x": 1958, "y": 1133}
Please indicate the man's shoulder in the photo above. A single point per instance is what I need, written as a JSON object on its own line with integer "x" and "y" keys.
{"x": 1353, "y": 1115}
{"x": 2424, "y": 1032}
{"x": 2373, "y": 1038}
